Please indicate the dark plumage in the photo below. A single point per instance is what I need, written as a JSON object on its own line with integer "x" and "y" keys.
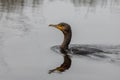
{"x": 66, "y": 29}
{"x": 84, "y": 50}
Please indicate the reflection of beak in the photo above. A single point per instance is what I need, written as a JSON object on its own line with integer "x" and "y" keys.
{"x": 56, "y": 26}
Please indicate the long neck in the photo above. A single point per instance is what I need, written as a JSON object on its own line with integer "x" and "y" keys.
{"x": 66, "y": 41}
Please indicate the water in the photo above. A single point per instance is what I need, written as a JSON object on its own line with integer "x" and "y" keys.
{"x": 25, "y": 38}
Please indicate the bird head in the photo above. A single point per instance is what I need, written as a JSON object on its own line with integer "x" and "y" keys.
{"x": 64, "y": 27}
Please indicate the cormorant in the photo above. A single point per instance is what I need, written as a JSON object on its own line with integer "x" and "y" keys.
{"x": 64, "y": 47}
{"x": 84, "y": 50}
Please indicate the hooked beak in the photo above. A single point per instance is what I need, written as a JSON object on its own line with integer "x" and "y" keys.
{"x": 53, "y": 25}
{"x": 56, "y": 26}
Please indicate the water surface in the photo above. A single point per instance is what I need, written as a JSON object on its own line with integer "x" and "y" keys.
{"x": 25, "y": 38}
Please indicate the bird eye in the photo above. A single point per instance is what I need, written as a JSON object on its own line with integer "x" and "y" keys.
{"x": 62, "y": 25}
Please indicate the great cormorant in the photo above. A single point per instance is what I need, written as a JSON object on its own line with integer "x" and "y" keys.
{"x": 64, "y": 47}
{"x": 83, "y": 50}
{"x": 103, "y": 52}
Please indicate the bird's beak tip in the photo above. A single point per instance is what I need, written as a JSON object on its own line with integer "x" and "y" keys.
{"x": 52, "y": 25}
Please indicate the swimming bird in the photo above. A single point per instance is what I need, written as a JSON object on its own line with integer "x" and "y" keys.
{"x": 64, "y": 47}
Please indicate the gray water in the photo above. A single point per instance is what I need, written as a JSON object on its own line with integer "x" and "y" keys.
{"x": 26, "y": 39}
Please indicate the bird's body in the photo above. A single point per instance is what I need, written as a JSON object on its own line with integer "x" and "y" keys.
{"x": 64, "y": 47}
{"x": 84, "y": 50}
{"x": 112, "y": 53}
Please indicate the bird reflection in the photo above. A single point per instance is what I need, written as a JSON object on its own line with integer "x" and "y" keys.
{"x": 83, "y": 50}
{"x": 64, "y": 66}
{"x": 64, "y": 47}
